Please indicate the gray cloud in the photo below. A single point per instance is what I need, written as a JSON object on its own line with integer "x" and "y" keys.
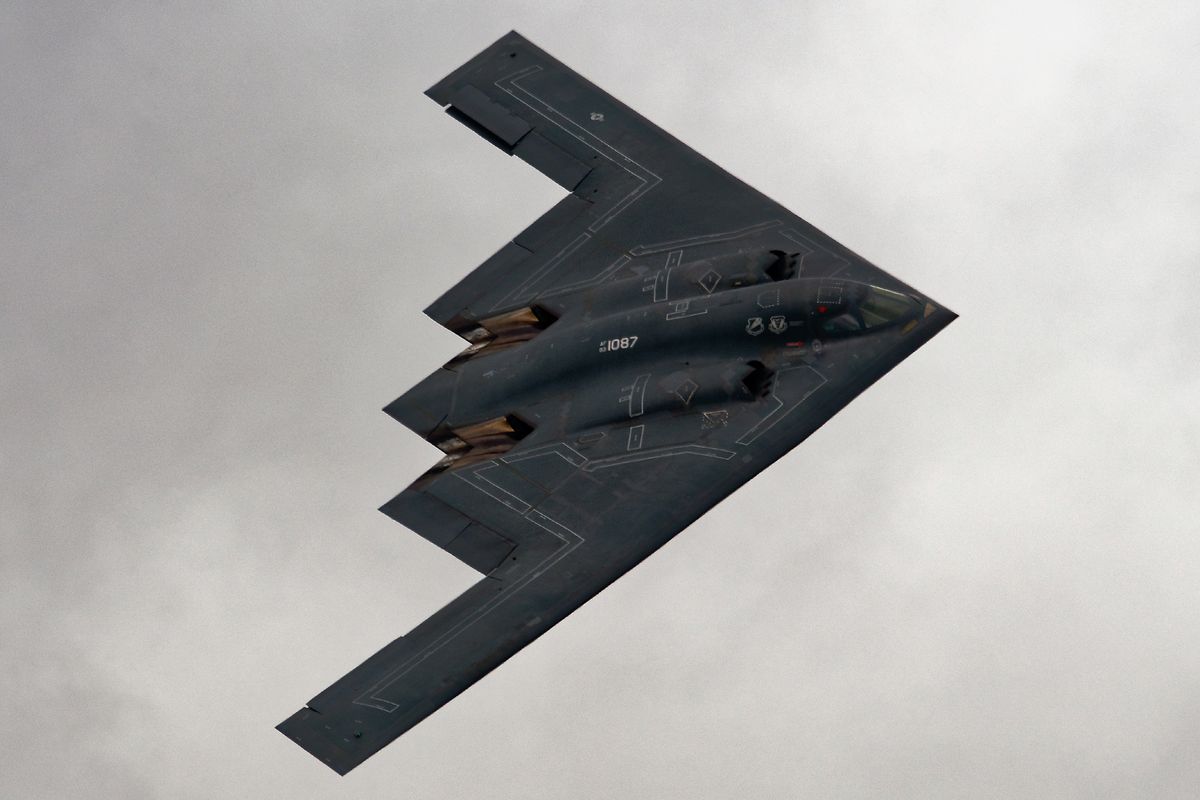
{"x": 220, "y": 226}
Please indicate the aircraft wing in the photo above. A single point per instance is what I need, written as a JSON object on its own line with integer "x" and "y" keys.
{"x": 636, "y": 193}
{"x": 550, "y": 524}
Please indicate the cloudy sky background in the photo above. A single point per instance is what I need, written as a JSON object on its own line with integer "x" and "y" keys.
{"x": 219, "y": 223}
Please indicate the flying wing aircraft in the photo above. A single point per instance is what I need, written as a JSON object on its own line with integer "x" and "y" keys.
{"x": 648, "y": 345}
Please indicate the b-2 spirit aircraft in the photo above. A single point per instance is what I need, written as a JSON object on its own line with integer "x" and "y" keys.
{"x": 647, "y": 346}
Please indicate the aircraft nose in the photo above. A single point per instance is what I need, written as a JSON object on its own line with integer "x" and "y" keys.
{"x": 930, "y": 314}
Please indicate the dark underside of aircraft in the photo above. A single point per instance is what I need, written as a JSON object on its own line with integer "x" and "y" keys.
{"x": 647, "y": 346}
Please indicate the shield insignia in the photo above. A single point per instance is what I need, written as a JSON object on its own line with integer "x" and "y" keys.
{"x": 754, "y": 326}
{"x": 778, "y": 324}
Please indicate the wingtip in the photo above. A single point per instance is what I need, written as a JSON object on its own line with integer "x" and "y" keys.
{"x": 294, "y": 728}
{"x": 441, "y": 91}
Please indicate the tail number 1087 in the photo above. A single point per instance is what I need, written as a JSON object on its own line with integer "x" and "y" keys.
{"x": 621, "y": 343}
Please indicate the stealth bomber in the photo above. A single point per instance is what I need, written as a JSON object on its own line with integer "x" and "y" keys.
{"x": 652, "y": 342}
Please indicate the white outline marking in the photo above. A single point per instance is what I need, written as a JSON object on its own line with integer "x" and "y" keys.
{"x": 478, "y": 473}
{"x": 588, "y": 139}
{"x": 773, "y": 416}
{"x": 663, "y": 452}
{"x": 575, "y": 459}
{"x": 829, "y": 294}
{"x": 708, "y": 238}
{"x": 637, "y": 390}
{"x": 635, "y": 437}
{"x": 686, "y": 391}
{"x": 768, "y": 298}
{"x": 681, "y": 310}
{"x": 537, "y": 518}
{"x": 673, "y": 259}
{"x": 588, "y": 283}
{"x": 520, "y": 294}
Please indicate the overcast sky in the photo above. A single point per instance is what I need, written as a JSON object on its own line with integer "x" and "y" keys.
{"x": 219, "y": 223}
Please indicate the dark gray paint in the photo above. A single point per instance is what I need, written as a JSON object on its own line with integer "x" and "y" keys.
{"x": 752, "y": 329}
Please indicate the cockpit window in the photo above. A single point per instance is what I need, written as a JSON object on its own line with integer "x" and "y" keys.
{"x": 842, "y": 323}
{"x": 882, "y": 306}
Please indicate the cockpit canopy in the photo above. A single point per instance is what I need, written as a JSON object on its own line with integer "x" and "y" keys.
{"x": 866, "y": 308}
